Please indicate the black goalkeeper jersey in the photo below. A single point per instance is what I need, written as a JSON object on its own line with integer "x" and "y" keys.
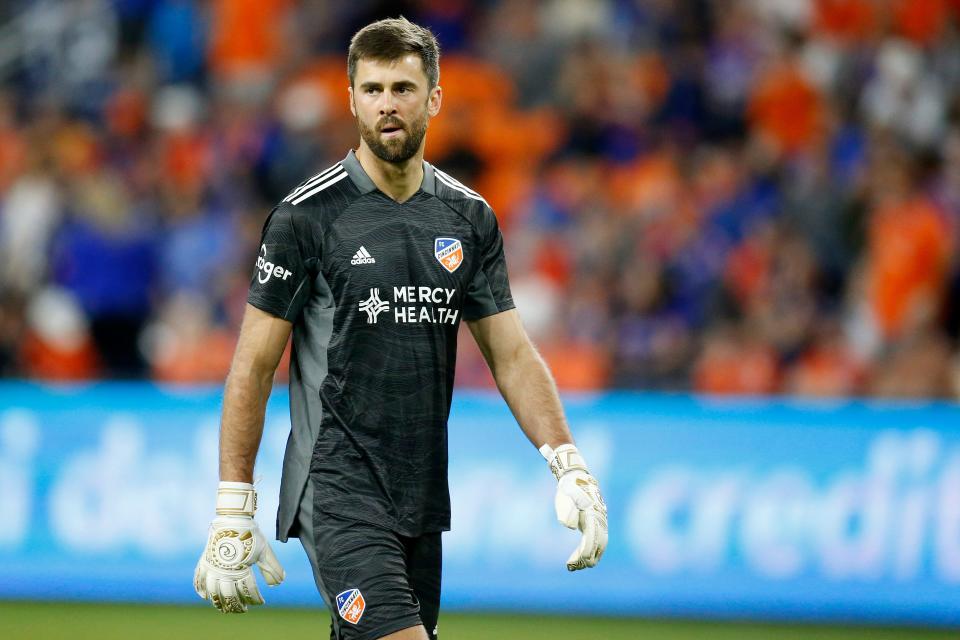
{"x": 376, "y": 291}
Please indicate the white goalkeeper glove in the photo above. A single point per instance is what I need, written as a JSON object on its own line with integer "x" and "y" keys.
{"x": 579, "y": 504}
{"x": 224, "y": 574}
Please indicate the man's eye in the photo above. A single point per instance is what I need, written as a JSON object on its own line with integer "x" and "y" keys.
{"x": 372, "y": 91}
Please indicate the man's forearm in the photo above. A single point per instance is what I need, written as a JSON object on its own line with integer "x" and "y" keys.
{"x": 529, "y": 390}
{"x": 241, "y": 427}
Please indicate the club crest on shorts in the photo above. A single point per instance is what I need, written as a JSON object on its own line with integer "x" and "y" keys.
{"x": 350, "y": 604}
{"x": 449, "y": 251}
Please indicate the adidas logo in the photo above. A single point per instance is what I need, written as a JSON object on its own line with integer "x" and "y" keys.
{"x": 362, "y": 257}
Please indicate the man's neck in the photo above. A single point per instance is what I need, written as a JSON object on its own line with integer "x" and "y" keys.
{"x": 398, "y": 180}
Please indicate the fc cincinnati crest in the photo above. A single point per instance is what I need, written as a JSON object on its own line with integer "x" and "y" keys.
{"x": 350, "y": 605}
{"x": 449, "y": 252}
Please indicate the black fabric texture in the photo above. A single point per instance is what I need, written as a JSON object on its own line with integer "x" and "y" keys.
{"x": 377, "y": 290}
{"x": 397, "y": 576}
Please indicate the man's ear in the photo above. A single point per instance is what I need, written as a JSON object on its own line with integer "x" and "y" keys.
{"x": 353, "y": 107}
{"x": 434, "y": 101}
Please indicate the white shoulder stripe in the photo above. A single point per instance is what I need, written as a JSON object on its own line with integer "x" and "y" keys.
{"x": 311, "y": 181}
{"x": 454, "y": 181}
{"x": 462, "y": 190}
{"x": 337, "y": 177}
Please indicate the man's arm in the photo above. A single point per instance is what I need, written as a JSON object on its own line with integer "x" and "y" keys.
{"x": 527, "y": 386}
{"x": 522, "y": 378}
{"x": 224, "y": 573}
{"x": 260, "y": 346}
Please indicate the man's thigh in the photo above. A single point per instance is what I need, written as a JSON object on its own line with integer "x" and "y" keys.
{"x": 413, "y": 633}
{"x": 361, "y": 572}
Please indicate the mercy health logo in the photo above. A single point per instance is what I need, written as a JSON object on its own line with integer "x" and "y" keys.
{"x": 449, "y": 251}
{"x": 267, "y": 270}
{"x": 373, "y": 306}
{"x": 413, "y": 305}
{"x": 350, "y": 605}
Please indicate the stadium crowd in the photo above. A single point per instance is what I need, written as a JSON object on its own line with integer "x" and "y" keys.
{"x": 735, "y": 197}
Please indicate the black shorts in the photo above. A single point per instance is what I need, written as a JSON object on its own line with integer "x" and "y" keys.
{"x": 374, "y": 581}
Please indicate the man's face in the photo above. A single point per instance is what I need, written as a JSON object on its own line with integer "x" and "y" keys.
{"x": 392, "y": 103}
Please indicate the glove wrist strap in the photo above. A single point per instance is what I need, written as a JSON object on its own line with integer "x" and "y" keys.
{"x": 236, "y": 499}
{"x": 564, "y": 458}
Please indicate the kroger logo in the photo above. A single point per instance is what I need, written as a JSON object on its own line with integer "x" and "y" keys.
{"x": 267, "y": 270}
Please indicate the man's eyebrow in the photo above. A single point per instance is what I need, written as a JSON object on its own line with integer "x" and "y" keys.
{"x": 373, "y": 84}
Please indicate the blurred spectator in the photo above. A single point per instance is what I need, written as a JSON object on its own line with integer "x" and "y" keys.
{"x": 786, "y": 110}
{"x": 105, "y": 255}
{"x": 57, "y": 343}
{"x": 185, "y": 346}
{"x": 733, "y": 361}
{"x": 904, "y": 96}
{"x": 828, "y": 367}
{"x": 847, "y": 20}
{"x": 177, "y": 34}
{"x": 915, "y": 368}
{"x": 907, "y": 253}
{"x": 68, "y": 49}
{"x": 31, "y": 213}
{"x": 12, "y": 328}
{"x": 248, "y": 41}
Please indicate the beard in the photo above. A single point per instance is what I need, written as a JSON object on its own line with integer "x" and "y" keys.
{"x": 395, "y": 150}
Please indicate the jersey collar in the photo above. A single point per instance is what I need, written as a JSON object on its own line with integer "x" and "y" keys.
{"x": 429, "y": 184}
{"x": 365, "y": 184}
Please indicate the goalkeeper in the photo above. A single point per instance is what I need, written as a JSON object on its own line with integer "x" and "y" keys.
{"x": 371, "y": 265}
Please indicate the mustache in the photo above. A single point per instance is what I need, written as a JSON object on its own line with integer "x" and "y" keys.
{"x": 390, "y": 122}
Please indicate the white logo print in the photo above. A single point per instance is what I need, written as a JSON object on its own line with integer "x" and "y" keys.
{"x": 362, "y": 257}
{"x": 374, "y": 306}
{"x": 269, "y": 270}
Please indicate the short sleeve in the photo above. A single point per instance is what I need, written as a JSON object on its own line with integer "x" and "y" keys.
{"x": 281, "y": 279}
{"x": 489, "y": 291}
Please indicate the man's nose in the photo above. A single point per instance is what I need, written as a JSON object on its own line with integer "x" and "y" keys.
{"x": 387, "y": 106}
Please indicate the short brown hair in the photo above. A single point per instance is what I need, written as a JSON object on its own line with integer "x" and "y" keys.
{"x": 391, "y": 39}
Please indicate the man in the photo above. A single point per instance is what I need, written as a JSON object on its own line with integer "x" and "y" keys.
{"x": 372, "y": 264}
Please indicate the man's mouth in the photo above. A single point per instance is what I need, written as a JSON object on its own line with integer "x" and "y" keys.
{"x": 391, "y": 129}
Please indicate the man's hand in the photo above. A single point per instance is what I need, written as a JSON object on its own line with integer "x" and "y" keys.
{"x": 579, "y": 504}
{"x": 224, "y": 574}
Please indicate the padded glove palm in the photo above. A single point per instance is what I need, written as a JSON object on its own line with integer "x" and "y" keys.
{"x": 578, "y": 504}
{"x": 224, "y": 574}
